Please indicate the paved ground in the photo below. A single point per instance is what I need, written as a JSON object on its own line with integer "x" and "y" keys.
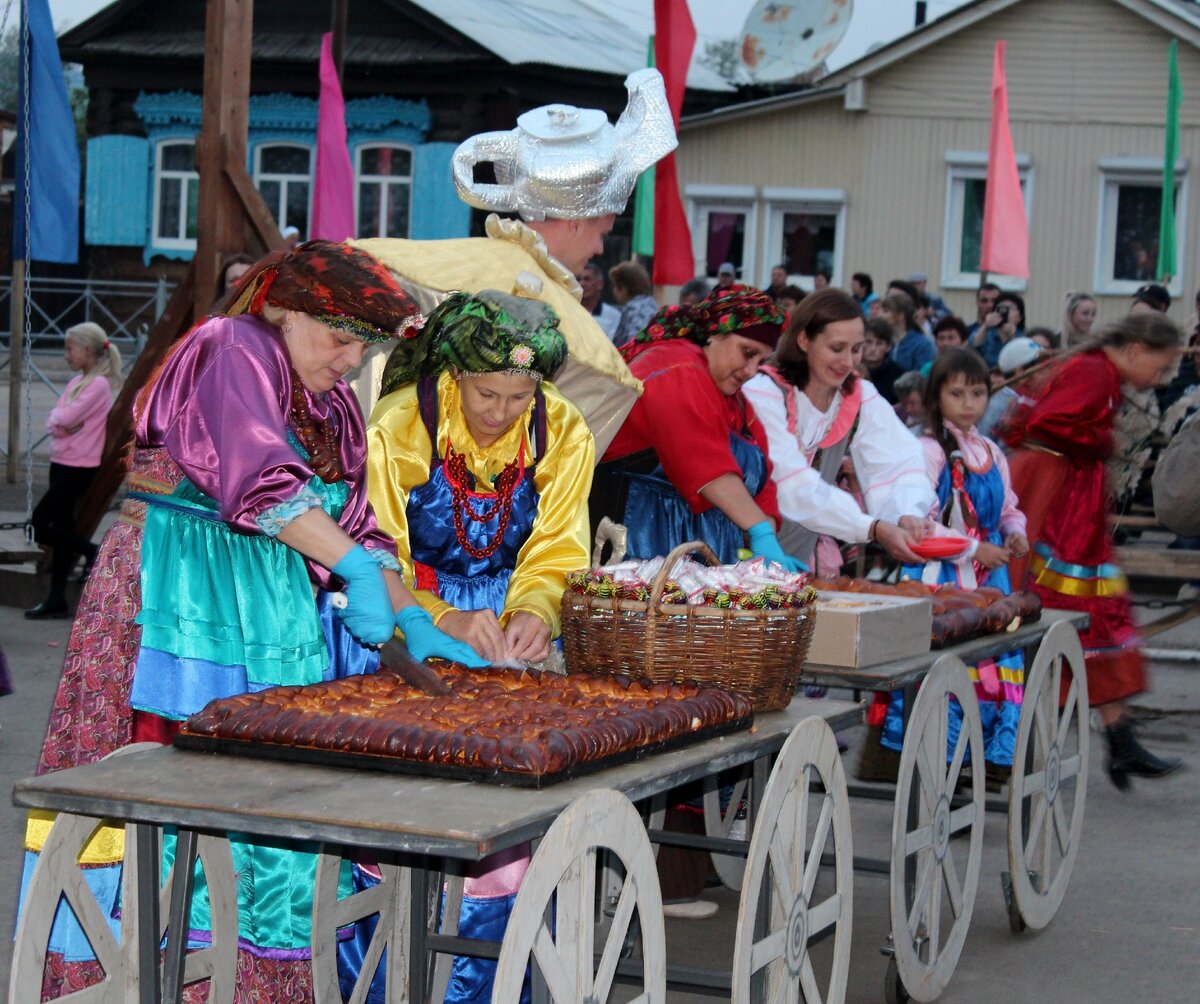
{"x": 1129, "y": 930}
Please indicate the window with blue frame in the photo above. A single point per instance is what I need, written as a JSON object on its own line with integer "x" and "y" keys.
{"x": 383, "y": 187}
{"x": 177, "y": 194}
{"x": 283, "y": 176}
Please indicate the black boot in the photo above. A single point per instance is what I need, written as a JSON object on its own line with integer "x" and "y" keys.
{"x": 1127, "y": 756}
{"x": 51, "y": 607}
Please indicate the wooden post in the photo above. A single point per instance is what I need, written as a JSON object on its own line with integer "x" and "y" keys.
{"x": 16, "y": 365}
{"x": 227, "y": 46}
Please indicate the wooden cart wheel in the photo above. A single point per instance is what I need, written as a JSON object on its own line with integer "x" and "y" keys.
{"x": 930, "y": 872}
{"x": 553, "y": 924}
{"x": 1049, "y": 779}
{"x": 59, "y": 875}
{"x": 783, "y": 905}
{"x": 729, "y": 867}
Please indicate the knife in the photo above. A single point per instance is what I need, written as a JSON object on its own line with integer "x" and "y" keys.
{"x": 394, "y": 656}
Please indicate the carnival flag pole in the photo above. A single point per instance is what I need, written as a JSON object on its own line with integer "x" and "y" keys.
{"x": 46, "y": 196}
{"x": 333, "y": 182}
{"x": 1166, "y": 220}
{"x": 643, "y": 200}
{"x": 674, "y": 41}
{"x": 1005, "y": 245}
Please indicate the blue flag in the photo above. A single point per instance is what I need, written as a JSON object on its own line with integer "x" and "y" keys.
{"x": 46, "y": 134}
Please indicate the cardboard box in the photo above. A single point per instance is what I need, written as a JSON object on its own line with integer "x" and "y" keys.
{"x": 864, "y": 629}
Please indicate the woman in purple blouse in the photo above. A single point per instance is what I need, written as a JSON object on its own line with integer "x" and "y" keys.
{"x": 248, "y": 504}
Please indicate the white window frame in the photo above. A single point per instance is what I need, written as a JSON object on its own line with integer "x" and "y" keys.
{"x": 186, "y": 178}
{"x": 383, "y": 181}
{"x": 285, "y": 180}
{"x": 704, "y": 200}
{"x": 1118, "y": 171}
{"x": 826, "y": 201}
{"x": 961, "y": 166}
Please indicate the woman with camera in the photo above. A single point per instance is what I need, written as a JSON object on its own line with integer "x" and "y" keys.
{"x": 1004, "y": 323}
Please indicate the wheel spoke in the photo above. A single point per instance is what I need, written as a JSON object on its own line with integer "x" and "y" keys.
{"x": 963, "y": 816}
{"x": 1068, "y": 712}
{"x": 622, "y": 917}
{"x": 768, "y": 950}
{"x": 808, "y": 982}
{"x": 820, "y": 835}
{"x": 1043, "y": 732}
{"x": 956, "y": 762}
{"x": 928, "y": 775}
{"x": 91, "y": 918}
{"x": 781, "y": 874}
{"x": 918, "y": 839}
{"x": 1061, "y": 830}
{"x": 1035, "y": 823}
{"x": 554, "y": 972}
{"x": 1069, "y": 767}
{"x": 935, "y": 915}
{"x": 1047, "y": 826}
{"x": 825, "y": 914}
{"x": 781, "y": 991}
{"x": 1055, "y": 681}
{"x": 920, "y": 893}
{"x": 1033, "y": 783}
{"x": 953, "y": 885}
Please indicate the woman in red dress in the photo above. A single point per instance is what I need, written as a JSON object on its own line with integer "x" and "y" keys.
{"x": 1061, "y": 443}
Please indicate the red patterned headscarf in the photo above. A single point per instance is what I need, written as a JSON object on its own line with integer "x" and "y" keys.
{"x": 735, "y": 310}
{"x": 340, "y": 286}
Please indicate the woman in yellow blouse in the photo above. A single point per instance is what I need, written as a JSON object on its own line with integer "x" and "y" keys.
{"x": 481, "y": 471}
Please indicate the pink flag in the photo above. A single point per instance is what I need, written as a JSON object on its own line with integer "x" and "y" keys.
{"x": 674, "y": 40}
{"x": 333, "y": 184}
{"x": 1005, "y": 230}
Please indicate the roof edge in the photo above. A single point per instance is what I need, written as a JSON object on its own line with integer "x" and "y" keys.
{"x": 761, "y": 106}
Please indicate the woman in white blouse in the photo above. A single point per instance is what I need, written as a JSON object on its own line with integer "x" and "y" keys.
{"x": 815, "y": 407}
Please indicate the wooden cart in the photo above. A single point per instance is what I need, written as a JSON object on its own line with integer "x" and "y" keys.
{"x": 934, "y": 875}
{"x": 414, "y": 826}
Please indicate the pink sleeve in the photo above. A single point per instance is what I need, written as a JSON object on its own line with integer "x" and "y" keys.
{"x": 1012, "y": 520}
{"x": 935, "y": 462}
{"x": 90, "y": 404}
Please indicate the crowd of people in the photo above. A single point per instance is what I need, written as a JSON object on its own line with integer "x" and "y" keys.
{"x": 775, "y": 421}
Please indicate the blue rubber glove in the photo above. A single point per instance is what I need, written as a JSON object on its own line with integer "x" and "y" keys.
{"x": 765, "y": 544}
{"x": 368, "y": 612}
{"x": 425, "y": 639}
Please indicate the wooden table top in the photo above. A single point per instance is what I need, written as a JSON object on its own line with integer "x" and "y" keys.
{"x": 381, "y": 811}
{"x": 898, "y": 674}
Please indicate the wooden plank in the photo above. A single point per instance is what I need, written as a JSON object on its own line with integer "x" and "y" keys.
{"x": 1158, "y": 563}
{"x": 456, "y": 819}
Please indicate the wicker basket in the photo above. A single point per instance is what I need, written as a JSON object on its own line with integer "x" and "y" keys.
{"x": 757, "y": 652}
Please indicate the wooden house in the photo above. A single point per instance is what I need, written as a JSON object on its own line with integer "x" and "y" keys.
{"x": 880, "y": 167}
{"x": 418, "y": 78}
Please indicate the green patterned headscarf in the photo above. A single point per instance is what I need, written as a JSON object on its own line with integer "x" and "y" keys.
{"x": 484, "y": 332}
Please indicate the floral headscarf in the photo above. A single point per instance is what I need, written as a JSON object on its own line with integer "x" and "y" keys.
{"x": 340, "y": 286}
{"x": 484, "y": 332}
{"x": 736, "y": 310}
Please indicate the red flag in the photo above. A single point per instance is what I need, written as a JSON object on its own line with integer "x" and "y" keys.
{"x": 333, "y": 182}
{"x": 1005, "y": 246}
{"x": 674, "y": 40}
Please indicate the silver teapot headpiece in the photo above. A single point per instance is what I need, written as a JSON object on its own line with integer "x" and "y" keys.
{"x": 570, "y": 163}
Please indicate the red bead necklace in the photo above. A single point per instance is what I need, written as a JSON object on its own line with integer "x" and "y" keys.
{"x": 455, "y": 467}
{"x": 317, "y": 437}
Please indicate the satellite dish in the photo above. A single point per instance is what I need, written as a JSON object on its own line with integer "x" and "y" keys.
{"x": 782, "y": 40}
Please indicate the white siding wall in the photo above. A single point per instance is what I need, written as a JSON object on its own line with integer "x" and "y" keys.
{"x": 1087, "y": 80}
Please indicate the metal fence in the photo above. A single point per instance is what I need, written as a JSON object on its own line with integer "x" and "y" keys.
{"x": 126, "y": 310}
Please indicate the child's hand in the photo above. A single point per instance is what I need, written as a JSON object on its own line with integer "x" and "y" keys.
{"x": 991, "y": 556}
{"x": 1017, "y": 544}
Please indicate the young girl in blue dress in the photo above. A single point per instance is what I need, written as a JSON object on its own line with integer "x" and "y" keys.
{"x": 975, "y": 500}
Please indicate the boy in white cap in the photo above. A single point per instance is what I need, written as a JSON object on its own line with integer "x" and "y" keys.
{"x": 1015, "y": 358}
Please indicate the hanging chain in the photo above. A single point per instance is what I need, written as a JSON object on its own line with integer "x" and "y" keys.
{"x": 28, "y": 303}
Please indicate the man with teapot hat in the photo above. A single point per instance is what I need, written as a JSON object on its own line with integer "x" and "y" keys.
{"x": 566, "y": 172}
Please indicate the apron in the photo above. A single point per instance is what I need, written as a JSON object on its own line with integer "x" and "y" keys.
{"x": 635, "y": 491}
{"x": 999, "y": 683}
{"x": 443, "y": 566}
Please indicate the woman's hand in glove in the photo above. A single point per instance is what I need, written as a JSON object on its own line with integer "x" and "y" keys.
{"x": 424, "y": 639}
{"x": 765, "y": 544}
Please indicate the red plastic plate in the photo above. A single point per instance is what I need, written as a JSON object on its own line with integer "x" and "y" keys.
{"x": 940, "y": 548}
